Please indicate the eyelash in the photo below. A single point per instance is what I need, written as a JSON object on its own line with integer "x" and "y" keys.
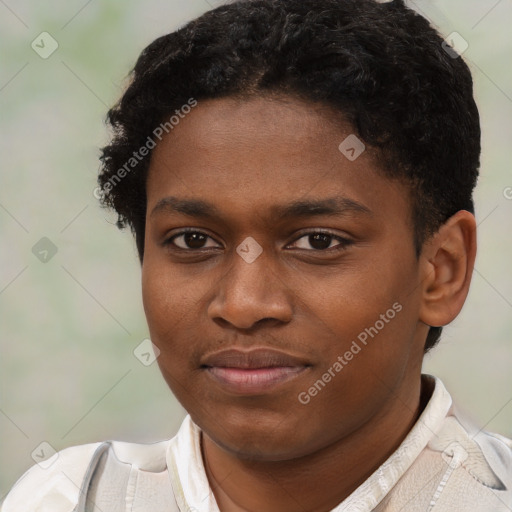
{"x": 344, "y": 242}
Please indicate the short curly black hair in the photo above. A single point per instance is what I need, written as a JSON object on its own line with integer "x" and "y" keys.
{"x": 380, "y": 66}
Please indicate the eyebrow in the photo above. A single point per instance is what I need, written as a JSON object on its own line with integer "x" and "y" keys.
{"x": 331, "y": 206}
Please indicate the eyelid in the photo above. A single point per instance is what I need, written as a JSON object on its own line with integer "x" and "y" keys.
{"x": 169, "y": 240}
{"x": 344, "y": 241}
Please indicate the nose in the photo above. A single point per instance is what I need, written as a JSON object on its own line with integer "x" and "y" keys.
{"x": 249, "y": 293}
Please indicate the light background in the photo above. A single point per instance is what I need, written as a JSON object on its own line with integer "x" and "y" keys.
{"x": 69, "y": 326}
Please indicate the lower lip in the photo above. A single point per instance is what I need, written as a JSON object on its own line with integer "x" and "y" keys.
{"x": 254, "y": 380}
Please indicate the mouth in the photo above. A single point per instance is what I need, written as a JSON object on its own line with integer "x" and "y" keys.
{"x": 253, "y": 381}
{"x": 253, "y": 372}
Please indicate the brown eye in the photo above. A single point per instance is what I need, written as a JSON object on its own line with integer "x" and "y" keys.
{"x": 190, "y": 240}
{"x": 321, "y": 241}
{"x": 194, "y": 240}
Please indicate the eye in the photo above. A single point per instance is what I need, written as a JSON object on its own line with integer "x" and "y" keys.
{"x": 322, "y": 241}
{"x": 190, "y": 240}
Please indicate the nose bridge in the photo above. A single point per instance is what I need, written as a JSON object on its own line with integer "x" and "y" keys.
{"x": 254, "y": 277}
{"x": 250, "y": 290}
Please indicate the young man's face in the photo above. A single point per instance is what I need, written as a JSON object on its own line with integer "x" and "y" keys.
{"x": 343, "y": 311}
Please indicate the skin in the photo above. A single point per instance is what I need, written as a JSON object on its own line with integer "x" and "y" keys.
{"x": 271, "y": 452}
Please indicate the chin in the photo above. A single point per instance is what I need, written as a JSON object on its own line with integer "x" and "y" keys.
{"x": 265, "y": 440}
{"x": 260, "y": 447}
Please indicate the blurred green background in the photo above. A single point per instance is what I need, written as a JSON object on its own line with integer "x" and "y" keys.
{"x": 70, "y": 325}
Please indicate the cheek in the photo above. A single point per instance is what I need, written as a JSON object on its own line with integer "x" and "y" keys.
{"x": 163, "y": 305}
{"x": 166, "y": 315}
{"x": 165, "y": 294}
{"x": 368, "y": 317}
{"x": 154, "y": 299}
{"x": 172, "y": 304}
{"x": 353, "y": 298}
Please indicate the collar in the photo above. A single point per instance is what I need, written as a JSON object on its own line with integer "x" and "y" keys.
{"x": 193, "y": 492}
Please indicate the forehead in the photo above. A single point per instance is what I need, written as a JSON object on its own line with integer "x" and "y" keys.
{"x": 292, "y": 126}
{"x": 266, "y": 152}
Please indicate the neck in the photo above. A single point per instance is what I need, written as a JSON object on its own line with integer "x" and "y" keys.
{"x": 321, "y": 480}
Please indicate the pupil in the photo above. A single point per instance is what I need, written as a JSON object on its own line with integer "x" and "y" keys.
{"x": 320, "y": 240}
{"x": 195, "y": 240}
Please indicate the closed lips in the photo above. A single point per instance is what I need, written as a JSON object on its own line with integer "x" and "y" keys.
{"x": 252, "y": 359}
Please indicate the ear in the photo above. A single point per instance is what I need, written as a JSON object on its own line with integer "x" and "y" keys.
{"x": 447, "y": 262}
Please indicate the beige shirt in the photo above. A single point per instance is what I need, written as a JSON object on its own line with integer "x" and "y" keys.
{"x": 445, "y": 464}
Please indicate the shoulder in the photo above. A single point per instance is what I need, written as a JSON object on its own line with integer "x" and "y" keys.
{"x": 476, "y": 464}
{"x": 58, "y": 483}
{"x": 494, "y": 448}
{"x": 55, "y": 484}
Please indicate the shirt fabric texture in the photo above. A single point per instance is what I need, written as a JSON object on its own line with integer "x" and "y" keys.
{"x": 445, "y": 464}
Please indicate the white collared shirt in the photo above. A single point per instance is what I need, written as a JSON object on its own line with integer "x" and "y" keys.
{"x": 445, "y": 464}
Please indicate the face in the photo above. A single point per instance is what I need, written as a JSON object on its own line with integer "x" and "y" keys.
{"x": 264, "y": 240}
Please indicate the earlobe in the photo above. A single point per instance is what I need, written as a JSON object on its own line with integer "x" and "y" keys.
{"x": 448, "y": 260}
